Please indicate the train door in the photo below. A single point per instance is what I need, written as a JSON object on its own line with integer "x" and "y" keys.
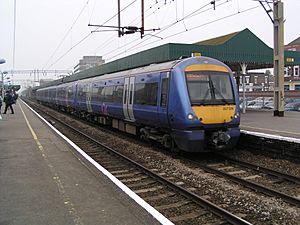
{"x": 89, "y": 97}
{"x": 56, "y": 96}
{"x": 76, "y": 96}
{"x": 128, "y": 97}
{"x": 163, "y": 102}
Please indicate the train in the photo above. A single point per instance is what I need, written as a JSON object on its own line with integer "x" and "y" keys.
{"x": 190, "y": 104}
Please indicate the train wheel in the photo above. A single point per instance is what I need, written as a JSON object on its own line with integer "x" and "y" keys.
{"x": 175, "y": 151}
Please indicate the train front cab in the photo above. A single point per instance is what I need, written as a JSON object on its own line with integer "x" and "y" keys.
{"x": 206, "y": 106}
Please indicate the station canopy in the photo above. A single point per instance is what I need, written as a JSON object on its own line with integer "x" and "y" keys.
{"x": 234, "y": 49}
{"x": 244, "y": 47}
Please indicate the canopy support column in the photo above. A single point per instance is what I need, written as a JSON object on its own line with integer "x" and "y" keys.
{"x": 244, "y": 72}
{"x": 278, "y": 59}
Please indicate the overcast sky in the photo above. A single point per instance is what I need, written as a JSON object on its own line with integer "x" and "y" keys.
{"x": 54, "y": 34}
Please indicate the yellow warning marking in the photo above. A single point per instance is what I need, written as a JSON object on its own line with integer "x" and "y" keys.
{"x": 66, "y": 199}
{"x": 266, "y": 129}
{"x": 214, "y": 114}
{"x": 206, "y": 67}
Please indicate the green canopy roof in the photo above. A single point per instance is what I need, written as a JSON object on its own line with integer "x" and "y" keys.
{"x": 243, "y": 47}
{"x": 233, "y": 49}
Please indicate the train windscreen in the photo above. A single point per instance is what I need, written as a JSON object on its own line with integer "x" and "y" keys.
{"x": 209, "y": 88}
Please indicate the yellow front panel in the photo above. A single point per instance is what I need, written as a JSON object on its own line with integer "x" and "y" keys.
{"x": 206, "y": 67}
{"x": 211, "y": 114}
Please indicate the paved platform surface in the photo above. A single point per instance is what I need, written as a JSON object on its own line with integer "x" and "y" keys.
{"x": 43, "y": 182}
{"x": 265, "y": 122}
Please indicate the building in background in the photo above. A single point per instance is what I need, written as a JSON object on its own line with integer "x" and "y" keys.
{"x": 258, "y": 82}
{"x": 87, "y": 62}
{"x": 292, "y": 73}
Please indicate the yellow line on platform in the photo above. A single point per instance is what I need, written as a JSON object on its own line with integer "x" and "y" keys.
{"x": 66, "y": 199}
{"x": 266, "y": 129}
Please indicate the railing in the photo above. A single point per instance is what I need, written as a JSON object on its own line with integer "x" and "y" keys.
{"x": 287, "y": 94}
{"x": 264, "y": 100}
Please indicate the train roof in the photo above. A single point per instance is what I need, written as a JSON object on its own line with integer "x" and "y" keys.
{"x": 166, "y": 66}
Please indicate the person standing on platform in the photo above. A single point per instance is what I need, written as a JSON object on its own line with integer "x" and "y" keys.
{"x": 15, "y": 96}
{"x": 9, "y": 101}
{"x": 1, "y": 100}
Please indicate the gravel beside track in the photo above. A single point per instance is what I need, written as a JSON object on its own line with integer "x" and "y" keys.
{"x": 254, "y": 207}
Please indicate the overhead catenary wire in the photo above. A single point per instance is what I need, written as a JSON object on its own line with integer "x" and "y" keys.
{"x": 14, "y": 44}
{"x": 112, "y": 38}
{"x": 138, "y": 45}
{"x": 167, "y": 27}
{"x": 67, "y": 33}
{"x": 91, "y": 14}
{"x": 86, "y": 36}
{"x": 132, "y": 48}
{"x": 196, "y": 27}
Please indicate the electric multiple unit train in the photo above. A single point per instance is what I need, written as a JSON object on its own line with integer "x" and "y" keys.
{"x": 189, "y": 104}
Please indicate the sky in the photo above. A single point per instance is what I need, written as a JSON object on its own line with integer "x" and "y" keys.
{"x": 54, "y": 34}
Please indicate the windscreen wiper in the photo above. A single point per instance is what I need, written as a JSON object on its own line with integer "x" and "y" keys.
{"x": 219, "y": 92}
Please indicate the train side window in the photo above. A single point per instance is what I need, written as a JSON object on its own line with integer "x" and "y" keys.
{"x": 109, "y": 93}
{"x": 118, "y": 94}
{"x": 146, "y": 94}
{"x": 139, "y": 94}
{"x": 131, "y": 94}
{"x": 164, "y": 92}
{"x": 125, "y": 94}
{"x": 70, "y": 92}
{"x": 100, "y": 94}
{"x": 83, "y": 95}
{"x": 151, "y": 90}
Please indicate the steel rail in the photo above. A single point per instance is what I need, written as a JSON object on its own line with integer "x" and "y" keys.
{"x": 249, "y": 184}
{"x": 284, "y": 176}
{"x": 233, "y": 219}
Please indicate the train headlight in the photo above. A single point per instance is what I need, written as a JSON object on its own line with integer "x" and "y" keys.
{"x": 236, "y": 115}
{"x": 190, "y": 116}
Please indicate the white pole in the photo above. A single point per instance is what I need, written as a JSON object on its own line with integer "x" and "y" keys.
{"x": 244, "y": 67}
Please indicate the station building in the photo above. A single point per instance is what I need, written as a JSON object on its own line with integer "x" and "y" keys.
{"x": 88, "y": 62}
{"x": 292, "y": 72}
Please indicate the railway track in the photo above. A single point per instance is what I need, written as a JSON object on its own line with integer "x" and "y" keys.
{"x": 260, "y": 179}
{"x": 178, "y": 203}
{"x": 236, "y": 202}
{"x": 270, "y": 147}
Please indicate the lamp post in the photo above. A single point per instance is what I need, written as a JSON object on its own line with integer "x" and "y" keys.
{"x": 2, "y": 77}
{"x": 3, "y": 74}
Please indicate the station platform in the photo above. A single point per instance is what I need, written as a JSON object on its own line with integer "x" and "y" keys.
{"x": 42, "y": 181}
{"x": 264, "y": 122}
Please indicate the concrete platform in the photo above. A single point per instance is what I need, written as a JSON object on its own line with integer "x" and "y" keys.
{"x": 265, "y": 122}
{"x": 43, "y": 182}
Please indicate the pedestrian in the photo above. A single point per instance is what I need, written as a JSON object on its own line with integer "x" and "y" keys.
{"x": 9, "y": 101}
{"x": 15, "y": 96}
{"x": 1, "y": 100}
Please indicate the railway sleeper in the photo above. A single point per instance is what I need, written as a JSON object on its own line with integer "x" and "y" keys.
{"x": 158, "y": 197}
{"x": 173, "y": 205}
{"x": 141, "y": 184}
{"x": 188, "y": 216}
